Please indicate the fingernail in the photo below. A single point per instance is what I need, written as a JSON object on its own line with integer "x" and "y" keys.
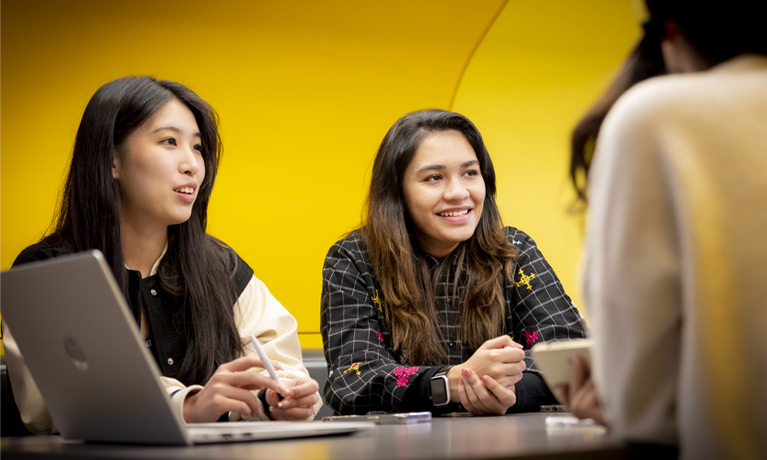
{"x": 460, "y": 381}
{"x": 485, "y": 379}
{"x": 466, "y": 373}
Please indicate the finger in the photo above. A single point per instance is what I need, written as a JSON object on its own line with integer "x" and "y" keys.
{"x": 274, "y": 400}
{"x": 229, "y": 398}
{"x": 241, "y": 364}
{"x": 498, "y": 342}
{"x": 504, "y": 397}
{"x": 463, "y": 397}
{"x": 580, "y": 372}
{"x": 304, "y": 386}
{"x": 306, "y": 401}
{"x": 563, "y": 393}
{"x": 476, "y": 391}
{"x": 507, "y": 355}
{"x": 252, "y": 380}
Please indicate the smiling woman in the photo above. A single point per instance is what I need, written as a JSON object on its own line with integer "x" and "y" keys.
{"x": 144, "y": 163}
{"x": 433, "y": 304}
{"x": 443, "y": 192}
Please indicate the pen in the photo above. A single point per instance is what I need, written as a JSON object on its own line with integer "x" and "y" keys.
{"x": 266, "y": 361}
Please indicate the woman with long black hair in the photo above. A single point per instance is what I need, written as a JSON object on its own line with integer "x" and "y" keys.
{"x": 143, "y": 168}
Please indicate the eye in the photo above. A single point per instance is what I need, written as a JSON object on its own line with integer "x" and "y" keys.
{"x": 169, "y": 141}
{"x": 432, "y": 178}
{"x": 472, "y": 172}
{"x": 197, "y": 147}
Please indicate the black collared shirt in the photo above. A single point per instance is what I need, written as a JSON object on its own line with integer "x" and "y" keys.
{"x": 366, "y": 374}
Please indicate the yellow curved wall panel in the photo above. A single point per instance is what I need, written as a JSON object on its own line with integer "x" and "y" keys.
{"x": 305, "y": 90}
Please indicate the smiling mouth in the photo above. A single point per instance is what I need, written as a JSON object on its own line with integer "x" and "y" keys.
{"x": 185, "y": 190}
{"x": 454, "y": 213}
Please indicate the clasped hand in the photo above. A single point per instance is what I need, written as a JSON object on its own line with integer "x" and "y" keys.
{"x": 485, "y": 383}
{"x": 230, "y": 389}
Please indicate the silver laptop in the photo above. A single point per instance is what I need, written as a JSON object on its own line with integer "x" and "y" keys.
{"x": 98, "y": 380}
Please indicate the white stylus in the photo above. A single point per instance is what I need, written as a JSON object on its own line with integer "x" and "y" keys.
{"x": 266, "y": 361}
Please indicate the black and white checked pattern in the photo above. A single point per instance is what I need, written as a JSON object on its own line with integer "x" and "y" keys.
{"x": 357, "y": 340}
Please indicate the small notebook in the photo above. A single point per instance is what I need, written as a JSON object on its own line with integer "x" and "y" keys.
{"x": 98, "y": 380}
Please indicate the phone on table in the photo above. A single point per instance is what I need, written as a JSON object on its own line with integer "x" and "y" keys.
{"x": 554, "y": 360}
{"x": 400, "y": 418}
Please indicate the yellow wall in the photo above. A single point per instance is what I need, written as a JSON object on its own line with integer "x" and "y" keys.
{"x": 536, "y": 72}
{"x": 305, "y": 91}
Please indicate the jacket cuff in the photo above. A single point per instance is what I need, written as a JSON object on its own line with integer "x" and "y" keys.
{"x": 178, "y": 397}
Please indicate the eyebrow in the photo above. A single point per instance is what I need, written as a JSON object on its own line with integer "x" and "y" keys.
{"x": 440, "y": 167}
{"x": 175, "y": 130}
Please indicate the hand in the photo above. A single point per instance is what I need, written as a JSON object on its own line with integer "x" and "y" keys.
{"x": 580, "y": 395}
{"x": 299, "y": 405}
{"x": 229, "y": 390}
{"x": 484, "y": 396}
{"x": 501, "y": 359}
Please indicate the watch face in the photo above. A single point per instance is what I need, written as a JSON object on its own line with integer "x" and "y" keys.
{"x": 439, "y": 395}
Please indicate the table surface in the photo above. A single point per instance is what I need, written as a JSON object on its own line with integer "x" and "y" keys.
{"x": 537, "y": 435}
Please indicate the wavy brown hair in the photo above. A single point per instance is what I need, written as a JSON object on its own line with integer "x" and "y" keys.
{"x": 484, "y": 261}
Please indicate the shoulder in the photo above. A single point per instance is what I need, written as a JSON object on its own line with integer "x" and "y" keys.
{"x": 519, "y": 238}
{"x": 351, "y": 246}
{"x": 349, "y": 257}
{"x": 240, "y": 272}
{"x": 41, "y": 251}
{"x": 667, "y": 103}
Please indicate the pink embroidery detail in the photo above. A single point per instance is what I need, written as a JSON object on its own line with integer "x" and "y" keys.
{"x": 403, "y": 373}
{"x": 380, "y": 337}
{"x": 531, "y": 337}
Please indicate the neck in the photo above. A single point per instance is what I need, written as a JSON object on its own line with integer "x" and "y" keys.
{"x": 141, "y": 247}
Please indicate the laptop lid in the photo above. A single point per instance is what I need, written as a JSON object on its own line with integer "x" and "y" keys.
{"x": 83, "y": 349}
{"x": 98, "y": 380}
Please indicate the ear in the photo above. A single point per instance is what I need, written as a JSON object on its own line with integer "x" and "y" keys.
{"x": 115, "y": 166}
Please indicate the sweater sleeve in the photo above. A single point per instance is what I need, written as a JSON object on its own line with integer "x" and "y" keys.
{"x": 259, "y": 313}
{"x": 631, "y": 276}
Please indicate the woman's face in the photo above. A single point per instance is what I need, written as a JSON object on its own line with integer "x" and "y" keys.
{"x": 159, "y": 169}
{"x": 444, "y": 192}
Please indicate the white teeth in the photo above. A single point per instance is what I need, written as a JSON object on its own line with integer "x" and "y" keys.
{"x": 188, "y": 190}
{"x": 454, "y": 214}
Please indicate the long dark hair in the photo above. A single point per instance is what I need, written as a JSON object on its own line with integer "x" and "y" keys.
{"x": 719, "y": 30}
{"x": 196, "y": 266}
{"x": 645, "y": 61}
{"x": 485, "y": 259}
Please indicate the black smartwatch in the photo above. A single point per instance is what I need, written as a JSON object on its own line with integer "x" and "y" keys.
{"x": 440, "y": 389}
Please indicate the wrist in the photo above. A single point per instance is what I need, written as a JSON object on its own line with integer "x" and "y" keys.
{"x": 453, "y": 376}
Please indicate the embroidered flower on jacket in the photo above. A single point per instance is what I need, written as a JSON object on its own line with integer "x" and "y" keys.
{"x": 403, "y": 374}
{"x": 380, "y": 336}
{"x": 530, "y": 337}
{"x": 525, "y": 279}
{"x": 378, "y": 300}
{"x": 354, "y": 367}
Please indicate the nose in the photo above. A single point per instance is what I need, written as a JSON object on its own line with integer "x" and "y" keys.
{"x": 455, "y": 190}
{"x": 188, "y": 163}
